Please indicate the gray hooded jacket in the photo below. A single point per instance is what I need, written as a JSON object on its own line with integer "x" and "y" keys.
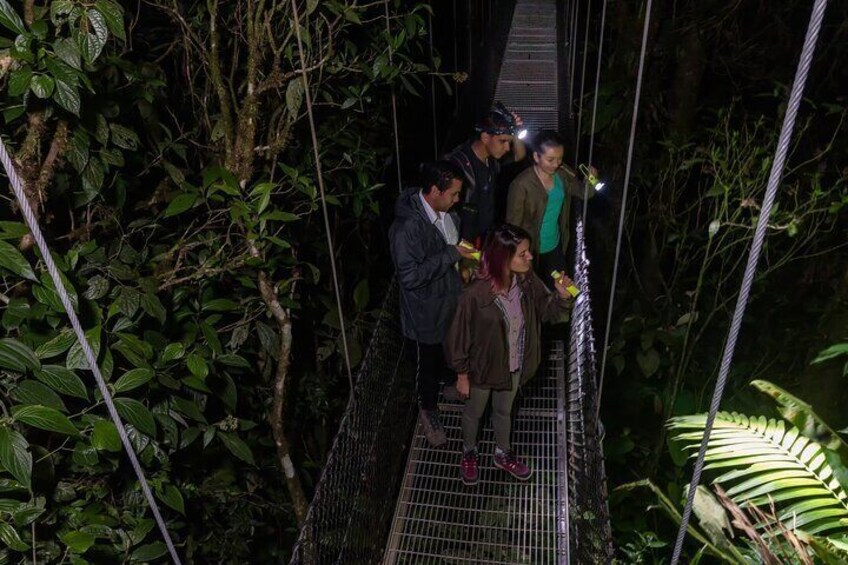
{"x": 429, "y": 282}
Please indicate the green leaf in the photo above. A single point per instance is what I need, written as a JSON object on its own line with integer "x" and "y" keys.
{"x": 172, "y": 496}
{"x": 221, "y": 305}
{"x": 33, "y": 392}
{"x": 8, "y": 535}
{"x": 149, "y": 552}
{"x": 17, "y": 356}
{"x": 172, "y": 352}
{"x": 133, "y": 379}
{"x": 44, "y": 418}
{"x": 114, "y": 17}
{"x": 84, "y": 455}
{"x": 831, "y": 352}
{"x": 10, "y": 19}
{"x": 13, "y": 260}
{"x": 68, "y": 51}
{"x": 361, "y": 295}
{"x": 180, "y": 204}
{"x": 15, "y": 456}
{"x": 19, "y": 80}
{"x": 649, "y": 361}
{"x": 136, "y": 414}
{"x": 42, "y": 86}
{"x": 197, "y": 365}
{"x": 104, "y": 436}
{"x": 62, "y": 380}
{"x": 232, "y": 360}
{"x": 78, "y": 541}
{"x": 76, "y": 356}
{"x": 13, "y": 230}
{"x": 124, "y": 137}
{"x": 294, "y": 96}
{"x": 56, "y": 346}
{"x": 237, "y": 447}
{"x": 98, "y": 286}
{"x": 67, "y": 96}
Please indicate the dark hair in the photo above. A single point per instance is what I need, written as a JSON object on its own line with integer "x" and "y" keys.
{"x": 498, "y": 251}
{"x": 493, "y": 123}
{"x": 439, "y": 174}
{"x": 546, "y": 139}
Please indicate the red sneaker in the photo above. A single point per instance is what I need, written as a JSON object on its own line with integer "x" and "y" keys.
{"x": 468, "y": 467}
{"x": 507, "y": 461}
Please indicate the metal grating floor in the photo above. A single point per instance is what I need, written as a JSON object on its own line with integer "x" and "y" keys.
{"x": 528, "y": 81}
{"x": 500, "y": 520}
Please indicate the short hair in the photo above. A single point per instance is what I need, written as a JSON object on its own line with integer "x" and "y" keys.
{"x": 439, "y": 174}
{"x": 493, "y": 123}
{"x": 546, "y": 139}
{"x": 498, "y": 251}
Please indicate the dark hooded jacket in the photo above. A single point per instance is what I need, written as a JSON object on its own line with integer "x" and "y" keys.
{"x": 426, "y": 269}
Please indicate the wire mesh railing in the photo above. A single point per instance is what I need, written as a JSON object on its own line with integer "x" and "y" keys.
{"x": 351, "y": 512}
{"x": 590, "y": 539}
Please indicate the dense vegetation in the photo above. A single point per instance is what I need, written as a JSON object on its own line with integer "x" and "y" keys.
{"x": 167, "y": 151}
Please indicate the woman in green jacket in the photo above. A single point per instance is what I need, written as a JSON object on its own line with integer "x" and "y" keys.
{"x": 538, "y": 201}
{"x": 494, "y": 342}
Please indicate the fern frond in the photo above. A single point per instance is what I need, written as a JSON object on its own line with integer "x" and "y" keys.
{"x": 762, "y": 461}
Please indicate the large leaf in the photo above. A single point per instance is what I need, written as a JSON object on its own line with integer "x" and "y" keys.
{"x": 33, "y": 392}
{"x": 10, "y": 19}
{"x": 10, "y": 537}
{"x": 132, "y": 379}
{"x": 768, "y": 461}
{"x": 136, "y": 414}
{"x": 45, "y": 418}
{"x": 15, "y": 456}
{"x": 237, "y": 447}
{"x": 114, "y": 17}
{"x": 17, "y": 357}
{"x": 12, "y": 260}
{"x": 62, "y": 380}
{"x": 76, "y": 356}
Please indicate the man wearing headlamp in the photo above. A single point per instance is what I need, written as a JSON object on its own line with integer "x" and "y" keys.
{"x": 497, "y": 138}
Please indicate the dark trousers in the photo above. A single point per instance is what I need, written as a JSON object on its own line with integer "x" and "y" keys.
{"x": 430, "y": 373}
{"x": 554, "y": 260}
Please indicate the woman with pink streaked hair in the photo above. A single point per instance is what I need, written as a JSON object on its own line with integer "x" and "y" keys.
{"x": 494, "y": 342}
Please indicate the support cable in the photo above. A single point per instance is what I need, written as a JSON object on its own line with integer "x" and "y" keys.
{"x": 594, "y": 108}
{"x": 573, "y": 56}
{"x": 432, "y": 83}
{"x": 91, "y": 359}
{"x": 611, "y": 301}
{"x": 582, "y": 86}
{"x": 320, "y": 174}
{"x": 394, "y": 99}
{"x": 753, "y": 257}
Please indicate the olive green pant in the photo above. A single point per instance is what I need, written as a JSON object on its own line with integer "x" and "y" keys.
{"x": 475, "y": 405}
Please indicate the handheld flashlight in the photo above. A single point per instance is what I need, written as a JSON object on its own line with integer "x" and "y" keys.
{"x": 475, "y": 253}
{"x": 503, "y": 111}
{"x": 572, "y": 290}
{"x": 594, "y": 181}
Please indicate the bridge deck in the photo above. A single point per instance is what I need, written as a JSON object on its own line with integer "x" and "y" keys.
{"x": 500, "y": 520}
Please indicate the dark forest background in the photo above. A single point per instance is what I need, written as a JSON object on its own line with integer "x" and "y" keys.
{"x": 167, "y": 151}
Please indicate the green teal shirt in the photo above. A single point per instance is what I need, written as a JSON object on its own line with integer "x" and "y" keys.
{"x": 549, "y": 232}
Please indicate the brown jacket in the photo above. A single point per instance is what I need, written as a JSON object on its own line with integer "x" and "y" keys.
{"x": 477, "y": 339}
{"x": 527, "y": 198}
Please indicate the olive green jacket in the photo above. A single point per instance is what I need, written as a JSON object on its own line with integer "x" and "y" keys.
{"x": 527, "y": 199}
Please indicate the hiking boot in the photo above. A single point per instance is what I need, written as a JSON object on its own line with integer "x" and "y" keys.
{"x": 507, "y": 461}
{"x": 468, "y": 467}
{"x": 451, "y": 394}
{"x": 433, "y": 429}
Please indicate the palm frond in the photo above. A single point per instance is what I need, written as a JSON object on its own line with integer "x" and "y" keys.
{"x": 762, "y": 460}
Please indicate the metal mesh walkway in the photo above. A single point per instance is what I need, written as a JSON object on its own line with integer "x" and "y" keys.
{"x": 499, "y": 520}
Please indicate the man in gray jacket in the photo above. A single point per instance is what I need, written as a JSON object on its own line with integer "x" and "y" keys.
{"x": 424, "y": 238}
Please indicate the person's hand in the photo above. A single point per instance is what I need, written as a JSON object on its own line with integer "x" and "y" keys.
{"x": 471, "y": 254}
{"x": 463, "y": 386}
{"x": 562, "y": 285}
{"x": 594, "y": 172}
{"x": 518, "y": 120}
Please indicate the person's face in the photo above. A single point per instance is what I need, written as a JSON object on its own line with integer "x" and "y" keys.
{"x": 496, "y": 145}
{"x": 444, "y": 201}
{"x": 550, "y": 160}
{"x": 522, "y": 261}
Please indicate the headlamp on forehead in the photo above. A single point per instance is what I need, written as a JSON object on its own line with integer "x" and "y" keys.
{"x": 501, "y": 122}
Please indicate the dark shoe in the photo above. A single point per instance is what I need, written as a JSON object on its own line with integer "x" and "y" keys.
{"x": 507, "y": 461}
{"x": 468, "y": 467}
{"x": 433, "y": 429}
{"x": 451, "y": 394}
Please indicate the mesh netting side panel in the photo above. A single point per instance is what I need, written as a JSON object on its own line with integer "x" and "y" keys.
{"x": 590, "y": 538}
{"x": 351, "y": 512}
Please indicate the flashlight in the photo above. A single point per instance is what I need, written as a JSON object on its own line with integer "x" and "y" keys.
{"x": 594, "y": 181}
{"x": 572, "y": 290}
{"x": 503, "y": 111}
{"x": 475, "y": 254}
